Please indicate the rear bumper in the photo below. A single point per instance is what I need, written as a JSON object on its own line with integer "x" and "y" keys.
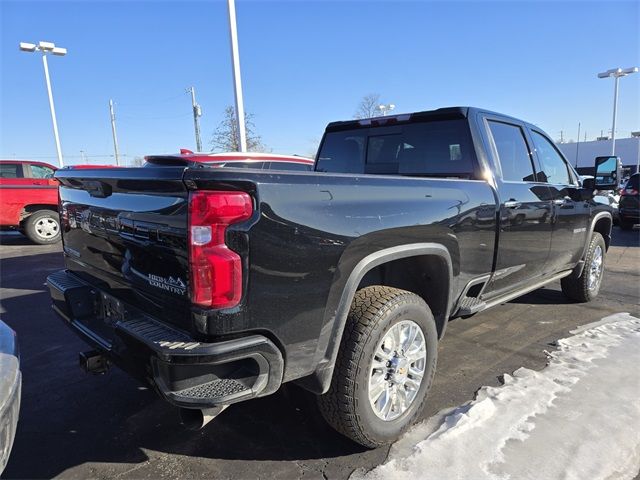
{"x": 185, "y": 371}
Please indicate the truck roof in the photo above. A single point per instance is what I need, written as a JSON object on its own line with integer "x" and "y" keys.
{"x": 445, "y": 113}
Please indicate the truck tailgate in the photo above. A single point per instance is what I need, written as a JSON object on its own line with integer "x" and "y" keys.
{"x": 125, "y": 231}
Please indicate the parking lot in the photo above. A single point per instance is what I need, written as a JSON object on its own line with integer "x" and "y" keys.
{"x": 78, "y": 426}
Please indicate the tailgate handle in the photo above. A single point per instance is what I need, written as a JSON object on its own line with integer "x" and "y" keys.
{"x": 97, "y": 188}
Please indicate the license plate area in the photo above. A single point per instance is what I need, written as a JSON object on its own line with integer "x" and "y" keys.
{"x": 108, "y": 311}
{"x": 111, "y": 310}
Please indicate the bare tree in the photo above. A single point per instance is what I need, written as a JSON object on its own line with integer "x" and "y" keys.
{"x": 226, "y": 139}
{"x": 137, "y": 161}
{"x": 368, "y": 106}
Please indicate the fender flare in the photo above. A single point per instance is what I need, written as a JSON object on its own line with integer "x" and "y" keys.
{"x": 337, "y": 321}
{"x": 580, "y": 266}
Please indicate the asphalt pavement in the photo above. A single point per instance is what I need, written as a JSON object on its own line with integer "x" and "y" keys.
{"x": 75, "y": 425}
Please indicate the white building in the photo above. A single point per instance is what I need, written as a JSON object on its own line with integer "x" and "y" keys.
{"x": 628, "y": 149}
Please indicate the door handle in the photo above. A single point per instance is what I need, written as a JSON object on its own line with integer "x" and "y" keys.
{"x": 512, "y": 204}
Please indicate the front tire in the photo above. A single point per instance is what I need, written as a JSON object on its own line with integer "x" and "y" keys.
{"x": 43, "y": 227}
{"x": 385, "y": 366}
{"x": 586, "y": 287}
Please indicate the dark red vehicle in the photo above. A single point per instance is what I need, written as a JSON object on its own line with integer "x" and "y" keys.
{"x": 253, "y": 160}
{"x": 29, "y": 200}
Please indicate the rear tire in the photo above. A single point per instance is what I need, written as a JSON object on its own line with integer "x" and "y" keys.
{"x": 400, "y": 325}
{"x": 586, "y": 287}
{"x": 43, "y": 227}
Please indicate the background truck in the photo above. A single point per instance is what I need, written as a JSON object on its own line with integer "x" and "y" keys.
{"x": 29, "y": 200}
{"x": 216, "y": 286}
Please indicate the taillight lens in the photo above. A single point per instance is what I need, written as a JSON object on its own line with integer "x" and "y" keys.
{"x": 629, "y": 191}
{"x": 216, "y": 271}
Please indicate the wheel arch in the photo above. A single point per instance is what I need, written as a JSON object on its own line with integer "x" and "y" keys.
{"x": 32, "y": 208}
{"x": 601, "y": 223}
{"x": 386, "y": 263}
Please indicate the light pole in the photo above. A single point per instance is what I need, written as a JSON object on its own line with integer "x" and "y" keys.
{"x": 237, "y": 79}
{"x": 384, "y": 109}
{"x": 616, "y": 73}
{"x": 46, "y": 48}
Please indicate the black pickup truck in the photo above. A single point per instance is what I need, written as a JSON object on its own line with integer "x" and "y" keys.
{"x": 218, "y": 286}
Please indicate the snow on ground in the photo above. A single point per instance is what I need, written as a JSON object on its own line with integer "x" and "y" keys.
{"x": 578, "y": 418}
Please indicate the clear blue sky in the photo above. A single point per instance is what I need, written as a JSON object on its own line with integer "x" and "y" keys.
{"x": 304, "y": 64}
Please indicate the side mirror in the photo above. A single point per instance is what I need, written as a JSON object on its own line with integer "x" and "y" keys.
{"x": 606, "y": 173}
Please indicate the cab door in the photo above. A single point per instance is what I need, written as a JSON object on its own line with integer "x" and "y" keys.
{"x": 524, "y": 236}
{"x": 570, "y": 219}
{"x": 12, "y": 185}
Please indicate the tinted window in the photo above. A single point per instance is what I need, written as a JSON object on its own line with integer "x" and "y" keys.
{"x": 554, "y": 169}
{"x": 437, "y": 148}
{"x": 10, "y": 170}
{"x": 300, "y": 167}
{"x": 634, "y": 182}
{"x": 40, "y": 171}
{"x": 343, "y": 152}
{"x": 513, "y": 154}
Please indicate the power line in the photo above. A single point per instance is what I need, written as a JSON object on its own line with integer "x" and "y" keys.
{"x": 151, "y": 102}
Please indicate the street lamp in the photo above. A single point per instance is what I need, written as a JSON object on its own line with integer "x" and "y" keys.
{"x": 384, "y": 109}
{"x": 46, "y": 48}
{"x": 616, "y": 73}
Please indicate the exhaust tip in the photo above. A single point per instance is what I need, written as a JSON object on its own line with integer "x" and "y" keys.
{"x": 196, "y": 418}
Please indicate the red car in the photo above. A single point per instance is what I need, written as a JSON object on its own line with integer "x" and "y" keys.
{"x": 260, "y": 161}
{"x": 29, "y": 200}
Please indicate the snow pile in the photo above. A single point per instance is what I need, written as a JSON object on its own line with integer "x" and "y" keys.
{"x": 578, "y": 418}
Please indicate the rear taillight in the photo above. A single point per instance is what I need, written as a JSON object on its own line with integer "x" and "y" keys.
{"x": 629, "y": 191}
{"x": 216, "y": 271}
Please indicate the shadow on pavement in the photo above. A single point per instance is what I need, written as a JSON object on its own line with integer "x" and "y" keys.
{"x": 14, "y": 238}
{"x": 625, "y": 238}
{"x": 69, "y": 418}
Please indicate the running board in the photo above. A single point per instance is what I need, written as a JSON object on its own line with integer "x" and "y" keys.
{"x": 470, "y": 305}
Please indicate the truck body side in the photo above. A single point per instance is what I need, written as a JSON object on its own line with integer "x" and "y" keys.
{"x": 461, "y": 241}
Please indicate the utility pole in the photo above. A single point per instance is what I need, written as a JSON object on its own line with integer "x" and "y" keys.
{"x": 83, "y": 159}
{"x": 113, "y": 131}
{"x": 561, "y": 136}
{"x": 237, "y": 80}
{"x": 578, "y": 145}
{"x": 197, "y": 113}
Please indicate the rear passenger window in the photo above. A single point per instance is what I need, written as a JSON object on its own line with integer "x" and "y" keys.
{"x": 554, "y": 168}
{"x": 441, "y": 148}
{"x": 343, "y": 152}
{"x": 513, "y": 154}
{"x": 10, "y": 170}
